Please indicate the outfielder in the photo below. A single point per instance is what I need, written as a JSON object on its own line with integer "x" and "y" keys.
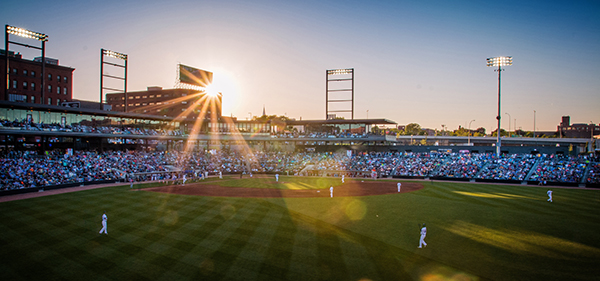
{"x": 399, "y": 185}
{"x": 220, "y": 174}
{"x": 276, "y": 177}
{"x": 423, "y": 234}
{"x": 104, "y": 228}
{"x": 549, "y": 195}
{"x": 184, "y": 179}
{"x": 331, "y": 192}
{"x": 342, "y": 178}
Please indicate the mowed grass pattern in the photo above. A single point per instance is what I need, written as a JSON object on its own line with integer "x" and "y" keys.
{"x": 475, "y": 232}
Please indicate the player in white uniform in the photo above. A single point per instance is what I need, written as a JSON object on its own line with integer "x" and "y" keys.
{"x": 423, "y": 234}
{"x": 331, "y": 192}
{"x": 220, "y": 174}
{"x": 104, "y": 228}
{"x": 276, "y": 177}
{"x": 399, "y": 185}
{"x": 342, "y": 178}
{"x": 184, "y": 179}
{"x": 549, "y": 195}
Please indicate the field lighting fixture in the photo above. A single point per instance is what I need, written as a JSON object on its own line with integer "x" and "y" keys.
{"x": 21, "y": 32}
{"x": 339, "y": 71}
{"x": 116, "y": 55}
{"x": 499, "y": 62}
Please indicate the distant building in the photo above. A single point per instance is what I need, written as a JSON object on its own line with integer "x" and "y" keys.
{"x": 581, "y": 130}
{"x": 25, "y": 80}
{"x": 185, "y": 103}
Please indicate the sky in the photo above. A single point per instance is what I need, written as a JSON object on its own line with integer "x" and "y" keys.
{"x": 414, "y": 61}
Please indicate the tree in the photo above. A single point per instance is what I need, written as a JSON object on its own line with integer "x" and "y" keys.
{"x": 412, "y": 129}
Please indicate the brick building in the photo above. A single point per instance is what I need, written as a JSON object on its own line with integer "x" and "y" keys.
{"x": 25, "y": 80}
{"x": 581, "y": 130}
{"x": 167, "y": 102}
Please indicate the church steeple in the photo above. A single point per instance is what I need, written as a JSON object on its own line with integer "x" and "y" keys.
{"x": 264, "y": 111}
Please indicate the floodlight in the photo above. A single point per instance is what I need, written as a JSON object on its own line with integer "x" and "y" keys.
{"x": 26, "y": 33}
{"x": 114, "y": 54}
{"x": 499, "y": 61}
{"x": 339, "y": 71}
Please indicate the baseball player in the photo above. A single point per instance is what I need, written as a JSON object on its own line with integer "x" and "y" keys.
{"x": 331, "y": 192}
{"x": 205, "y": 174}
{"x": 104, "y": 228}
{"x": 549, "y": 195}
{"x": 220, "y": 174}
{"x": 399, "y": 185}
{"x": 276, "y": 177}
{"x": 184, "y": 179}
{"x": 342, "y": 178}
{"x": 423, "y": 234}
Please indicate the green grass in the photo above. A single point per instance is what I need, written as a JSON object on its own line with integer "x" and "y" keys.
{"x": 474, "y": 231}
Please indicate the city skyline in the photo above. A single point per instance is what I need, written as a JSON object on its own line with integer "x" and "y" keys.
{"x": 416, "y": 62}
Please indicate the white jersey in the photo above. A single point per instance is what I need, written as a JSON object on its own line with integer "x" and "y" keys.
{"x": 423, "y": 231}
{"x": 104, "y": 217}
{"x": 549, "y": 192}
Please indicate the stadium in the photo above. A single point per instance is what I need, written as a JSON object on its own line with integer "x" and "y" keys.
{"x": 180, "y": 192}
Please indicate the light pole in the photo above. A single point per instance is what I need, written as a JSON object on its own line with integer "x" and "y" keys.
{"x": 469, "y": 136}
{"x": 591, "y": 146}
{"x": 367, "y": 114}
{"x": 27, "y": 34}
{"x": 499, "y": 62}
{"x": 509, "y": 118}
{"x": 534, "y": 124}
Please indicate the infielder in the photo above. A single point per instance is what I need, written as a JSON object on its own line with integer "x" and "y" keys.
{"x": 549, "y": 195}
{"x": 276, "y": 177}
{"x": 331, "y": 192}
{"x": 104, "y": 228}
{"x": 342, "y": 178}
{"x": 399, "y": 185}
{"x": 423, "y": 234}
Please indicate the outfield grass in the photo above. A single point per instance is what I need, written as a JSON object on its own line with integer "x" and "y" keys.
{"x": 474, "y": 231}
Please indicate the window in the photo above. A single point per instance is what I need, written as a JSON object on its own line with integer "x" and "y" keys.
{"x": 65, "y": 90}
{"x": 32, "y": 73}
{"x": 158, "y": 96}
{"x": 14, "y": 71}
{"x": 24, "y": 72}
{"x": 49, "y": 88}
{"x": 58, "y": 90}
{"x": 151, "y": 96}
{"x": 151, "y": 103}
{"x": 144, "y": 103}
{"x": 58, "y": 78}
{"x": 145, "y": 97}
{"x": 130, "y": 97}
{"x": 50, "y": 77}
{"x": 184, "y": 102}
{"x": 32, "y": 86}
{"x": 137, "y": 97}
{"x": 65, "y": 79}
{"x": 32, "y": 99}
{"x": 14, "y": 84}
{"x": 137, "y": 104}
{"x": 57, "y": 101}
{"x": 49, "y": 100}
{"x": 25, "y": 85}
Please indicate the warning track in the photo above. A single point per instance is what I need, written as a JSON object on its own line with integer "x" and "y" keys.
{"x": 350, "y": 189}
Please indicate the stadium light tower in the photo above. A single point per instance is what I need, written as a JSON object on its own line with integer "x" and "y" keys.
{"x": 27, "y": 34}
{"x": 499, "y": 62}
{"x": 115, "y": 55}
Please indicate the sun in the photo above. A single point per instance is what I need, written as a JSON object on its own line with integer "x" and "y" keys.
{"x": 211, "y": 91}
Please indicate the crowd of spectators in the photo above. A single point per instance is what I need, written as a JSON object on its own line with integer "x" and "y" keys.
{"x": 25, "y": 170}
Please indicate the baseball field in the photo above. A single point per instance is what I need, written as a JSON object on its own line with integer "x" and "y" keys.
{"x": 220, "y": 229}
